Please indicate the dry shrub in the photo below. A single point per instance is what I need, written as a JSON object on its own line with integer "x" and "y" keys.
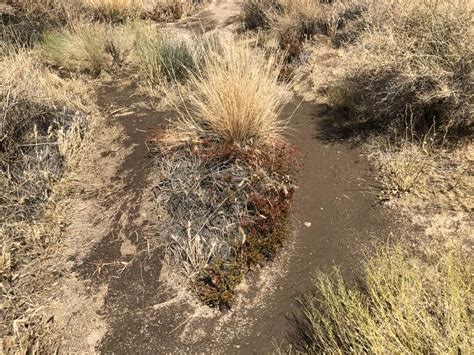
{"x": 416, "y": 64}
{"x": 256, "y": 14}
{"x": 295, "y": 21}
{"x": 407, "y": 303}
{"x": 223, "y": 209}
{"x": 235, "y": 96}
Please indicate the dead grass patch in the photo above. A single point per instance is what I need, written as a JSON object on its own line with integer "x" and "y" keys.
{"x": 416, "y": 64}
{"x": 224, "y": 209}
{"x": 43, "y": 121}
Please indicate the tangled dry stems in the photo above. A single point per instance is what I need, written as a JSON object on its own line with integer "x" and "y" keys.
{"x": 224, "y": 209}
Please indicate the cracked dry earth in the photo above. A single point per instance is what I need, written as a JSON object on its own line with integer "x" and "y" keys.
{"x": 119, "y": 298}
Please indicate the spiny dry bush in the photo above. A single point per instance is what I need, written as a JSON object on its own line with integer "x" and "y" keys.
{"x": 417, "y": 65}
{"x": 43, "y": 120}
{"x": 408, "y": 303}
{"x": 236, "y": 96}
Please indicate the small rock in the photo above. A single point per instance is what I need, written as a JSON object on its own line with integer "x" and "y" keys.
{"x": 307, "y": 224}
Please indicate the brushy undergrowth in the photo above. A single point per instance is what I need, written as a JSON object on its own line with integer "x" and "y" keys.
{"x": 407, "y": 303}
{"x": 295, "y": 21}
{"x": 414, "y": 66}
{"x": 22, "y": 22}
{"x": 43, "y": 121}
{"x": 224, "y": 208}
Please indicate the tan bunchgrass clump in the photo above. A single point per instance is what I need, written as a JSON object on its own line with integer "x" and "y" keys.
{"x": 407, "y": 304}
{"x": 415, "y": 64}
{"x": 235, "y": 96}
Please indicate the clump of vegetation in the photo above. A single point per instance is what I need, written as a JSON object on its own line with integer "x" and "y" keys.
{"x": 415, "y": 65}
{"x": 225, "y": 173}
{"x": 256, "y": 14}
{"x": 297, "y": 21}
{"x": 165, "y": 57}
{"x": 407, "y": 304}
{"x": 43, "y": 122}
{"x": 82, "y": 47}
{"x": 225, "y": 208}
{"x": 235, "y": 97}
{"x": 23, "y": 22}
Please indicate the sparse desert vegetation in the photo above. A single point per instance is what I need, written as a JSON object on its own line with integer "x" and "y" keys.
{"x": 147, "y": 178}
{"x": 407, "y": 303}
{"x": 404, "y": 90}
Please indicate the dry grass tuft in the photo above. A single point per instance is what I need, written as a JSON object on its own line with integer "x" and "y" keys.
{"x": 407, "y": 304}
{"x": 82, "y": 47}
{"x": 235, "y": 96}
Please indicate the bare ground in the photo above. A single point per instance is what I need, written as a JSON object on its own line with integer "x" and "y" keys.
{"x": 120, "y": 299}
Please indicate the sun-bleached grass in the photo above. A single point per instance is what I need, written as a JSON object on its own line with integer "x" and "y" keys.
{"x": 43, "y": 119}
{"x": 407, "y": 304}
{"x": 236, "y": 96}
{"x": 416, "y": 64}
